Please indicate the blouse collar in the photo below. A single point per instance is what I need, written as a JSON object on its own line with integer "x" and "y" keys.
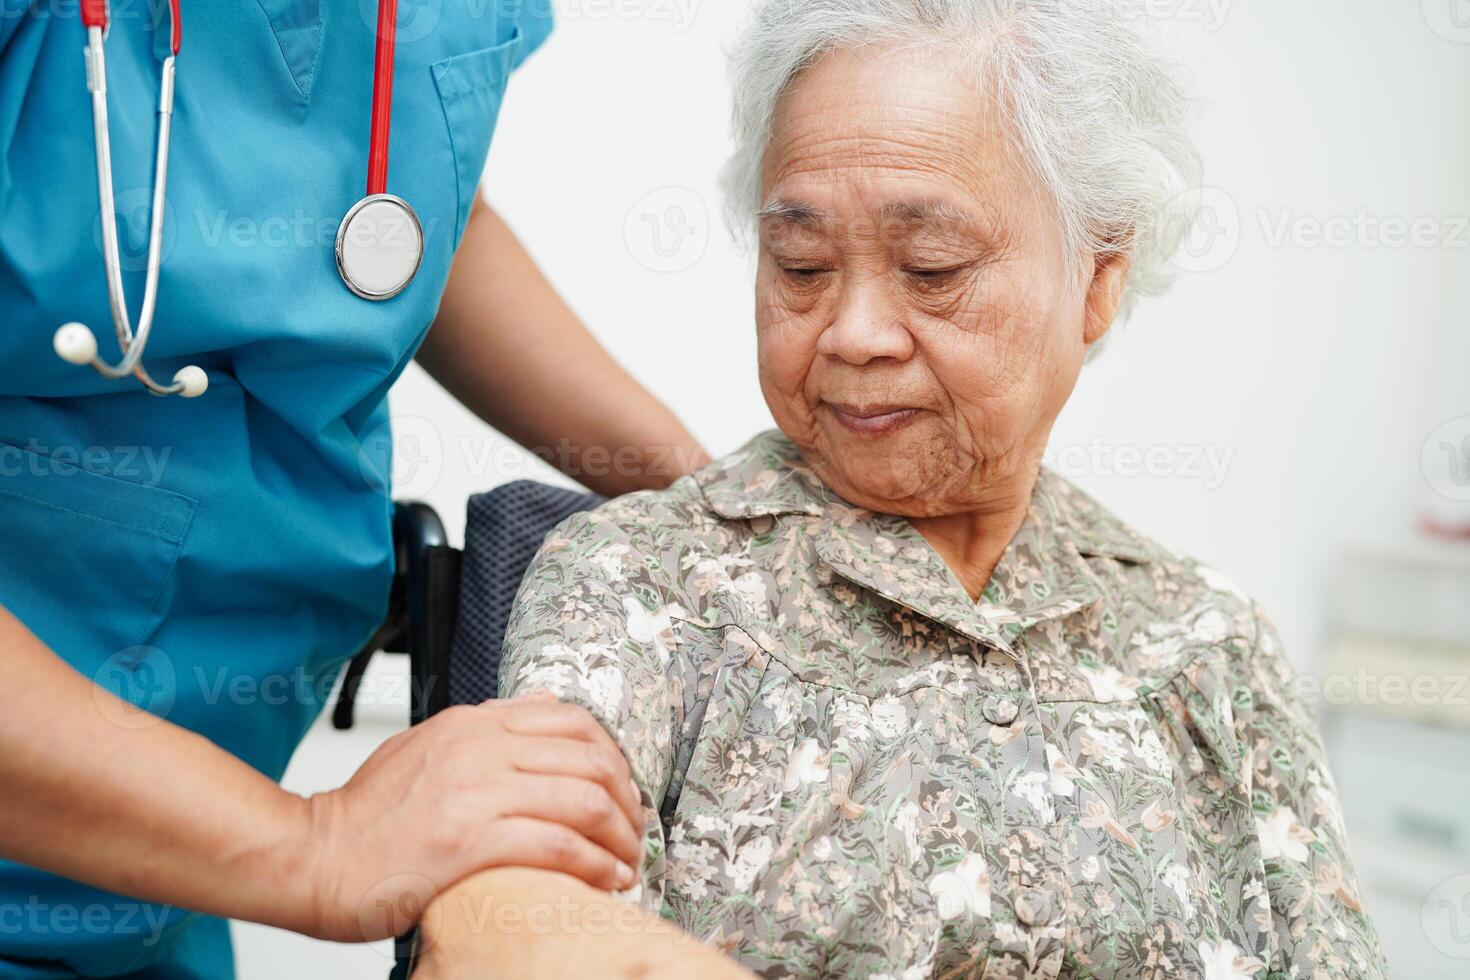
{"x": 1042, "y": 576}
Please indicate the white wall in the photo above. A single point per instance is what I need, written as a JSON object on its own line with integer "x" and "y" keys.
{"x": 1317, "y": 372}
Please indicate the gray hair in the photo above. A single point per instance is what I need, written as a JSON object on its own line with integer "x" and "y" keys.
{"x": 1099, "y": 113}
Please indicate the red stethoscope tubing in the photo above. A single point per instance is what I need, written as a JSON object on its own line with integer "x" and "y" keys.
{"x": 94, "y": 14}
{"x": 377, "y": 178}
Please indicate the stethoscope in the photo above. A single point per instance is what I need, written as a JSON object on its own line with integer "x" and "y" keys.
{"x": 380, "y": 242}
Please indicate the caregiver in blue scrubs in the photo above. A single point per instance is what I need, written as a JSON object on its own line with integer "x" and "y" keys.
{"x": 181, "y": 579}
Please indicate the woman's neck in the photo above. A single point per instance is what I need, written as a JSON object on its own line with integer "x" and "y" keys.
{"x": 972, "y": 542}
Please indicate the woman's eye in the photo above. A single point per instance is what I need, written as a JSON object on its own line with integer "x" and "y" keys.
{"x": 934, "y": 277}
{"x": 804, "y": 273}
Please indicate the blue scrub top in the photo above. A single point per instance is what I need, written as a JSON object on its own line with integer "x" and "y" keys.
{"x": 215, "y": 560}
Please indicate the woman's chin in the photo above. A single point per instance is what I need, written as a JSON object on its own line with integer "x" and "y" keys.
{"x": 891, "y": 476}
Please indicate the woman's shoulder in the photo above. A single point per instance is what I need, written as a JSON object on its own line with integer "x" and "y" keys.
{"x": 644, "y": 544}
{"x": 1176, "y": 608}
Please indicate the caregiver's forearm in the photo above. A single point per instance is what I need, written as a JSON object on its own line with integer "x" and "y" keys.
{"x": 508, "y": 347}
{"x": 514, "y": 922}
{"x": 99, "y": 791}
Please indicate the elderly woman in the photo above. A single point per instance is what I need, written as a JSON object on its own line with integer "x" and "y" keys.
{"x": 899, "y": 702}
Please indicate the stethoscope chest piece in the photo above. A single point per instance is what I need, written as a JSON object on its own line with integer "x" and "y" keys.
{"x": 380, "y": 244}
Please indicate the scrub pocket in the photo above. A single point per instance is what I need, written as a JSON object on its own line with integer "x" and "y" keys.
{"x": 85, "y": 560}
{"x": 471, "y": 88}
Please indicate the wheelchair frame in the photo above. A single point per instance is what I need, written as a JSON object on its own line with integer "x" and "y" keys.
{"x": 422, "y": 608}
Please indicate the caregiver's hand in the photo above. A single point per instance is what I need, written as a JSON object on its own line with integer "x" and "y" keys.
{"x": 528, "y": 782}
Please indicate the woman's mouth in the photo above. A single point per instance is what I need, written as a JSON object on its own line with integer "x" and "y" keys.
{"x": 873, "y": 420}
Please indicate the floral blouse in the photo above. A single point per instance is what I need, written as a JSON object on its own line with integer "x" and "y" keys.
{"x": 852, "y": 769}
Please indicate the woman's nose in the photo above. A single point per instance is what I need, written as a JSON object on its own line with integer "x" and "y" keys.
{"x": 867, "y": 326}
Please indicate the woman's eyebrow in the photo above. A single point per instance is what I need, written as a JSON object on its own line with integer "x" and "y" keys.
{"x": 900, "y": 219}
{"x": 927, "y": 211}
{"x": 793, "y": 212}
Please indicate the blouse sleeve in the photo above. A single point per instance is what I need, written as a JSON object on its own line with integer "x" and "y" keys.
{"x": 1320, "y": 927}
{"x": 590, "y": 625}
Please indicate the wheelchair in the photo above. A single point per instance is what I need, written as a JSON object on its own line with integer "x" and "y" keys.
{"x": 422, "y": 607}
{"x": 448, "y": 609}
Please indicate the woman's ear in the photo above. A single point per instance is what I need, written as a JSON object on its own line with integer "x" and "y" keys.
{"x": 1105, "y": 294}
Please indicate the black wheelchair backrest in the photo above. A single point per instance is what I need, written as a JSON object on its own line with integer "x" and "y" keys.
{"x": 449, "y": 610}
{"x": 503, "y": 531}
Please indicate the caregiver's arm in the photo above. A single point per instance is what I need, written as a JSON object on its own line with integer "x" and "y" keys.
{"x": 99, "y": 791}
{"x": 507, "y": 346}
{"x": 514, "y": 922}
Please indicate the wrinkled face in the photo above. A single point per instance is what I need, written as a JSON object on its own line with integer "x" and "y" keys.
{"x": 918, "y": 327}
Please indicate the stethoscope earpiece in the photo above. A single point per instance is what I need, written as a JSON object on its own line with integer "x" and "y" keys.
{"x": 191, "y": 381}
{"x": 75, "y": 343}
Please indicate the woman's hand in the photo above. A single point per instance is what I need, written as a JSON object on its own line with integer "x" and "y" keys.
{"x": 515, "y": 922}
{"x": 528, "y": 782}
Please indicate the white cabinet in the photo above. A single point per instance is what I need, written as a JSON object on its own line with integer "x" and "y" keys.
{"x": 1396, "y": 692}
